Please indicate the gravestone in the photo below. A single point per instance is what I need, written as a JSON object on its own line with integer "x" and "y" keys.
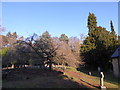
{"x": 99, "y": 69}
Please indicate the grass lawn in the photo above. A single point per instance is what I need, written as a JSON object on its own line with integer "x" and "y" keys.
{"x": 36, "y": 78}
{"x": 109, "y": 81}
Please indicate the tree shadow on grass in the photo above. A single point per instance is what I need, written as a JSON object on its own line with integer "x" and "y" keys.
{"x": 90, "y": 84}
{"x": 88, "y": 71}
{"x": 37, "y": 78}
{"x": 108, "y": 76}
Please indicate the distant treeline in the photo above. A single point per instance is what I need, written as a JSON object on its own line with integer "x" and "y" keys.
{"x": 93, "y": 50}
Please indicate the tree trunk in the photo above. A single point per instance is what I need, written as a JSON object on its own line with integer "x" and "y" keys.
{"x": 20, "y": 66}
{"x": 50, "y": 65}
{"x": 24, "y": 66}
{"x": 7, "y": 66}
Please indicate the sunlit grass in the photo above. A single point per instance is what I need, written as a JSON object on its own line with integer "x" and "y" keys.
{"x": 71, "y": 69}
{"x": 95, "y": 80}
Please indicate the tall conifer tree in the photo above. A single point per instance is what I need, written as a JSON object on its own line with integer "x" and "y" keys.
{"x": 92, "y": 22}
{"x": 99, "y": 45}
{"x": 112, "y": 27}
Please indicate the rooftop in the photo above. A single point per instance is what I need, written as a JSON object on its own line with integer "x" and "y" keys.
{"x": 116, "y": 53}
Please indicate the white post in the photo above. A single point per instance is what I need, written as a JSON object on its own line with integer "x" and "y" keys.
{"x": 101, "y": 81}
{"x": 90, "y": 73}
{"x": 13, "y": 66}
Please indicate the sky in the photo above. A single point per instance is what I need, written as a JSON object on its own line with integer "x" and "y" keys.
{"x": 119, "y": 18}
{"x": 57, "y": 18}
{"x": 60, "y": 0}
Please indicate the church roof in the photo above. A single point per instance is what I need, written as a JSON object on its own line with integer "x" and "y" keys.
{"x": 116, "y": 53}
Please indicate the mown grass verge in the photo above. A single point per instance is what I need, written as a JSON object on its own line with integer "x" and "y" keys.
{"x": 109, "y": 80}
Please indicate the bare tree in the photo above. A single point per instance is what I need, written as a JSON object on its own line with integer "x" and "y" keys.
{"x": 64, "y": 55}
{"x": 43, "y": 47}
{"x": 82, "y": 37}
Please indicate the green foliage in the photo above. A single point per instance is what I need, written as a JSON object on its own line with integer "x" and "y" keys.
{"x": 31, "y": 62}
{"x": 45, "y": 48}
{"x": 14, "y": 62}
{"x": 119, "y": 40}
{"x": 112, "y": 27}
{"x": 12, "y": 35}
{"x": 98, "y": 47}
{"x": 92, "y": 23}
{"x": 63, "y": 37}
{"x": 4, "y": 51}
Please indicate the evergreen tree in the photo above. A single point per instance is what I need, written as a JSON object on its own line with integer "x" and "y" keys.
{"x": 99, "y": 46}
{"x": 15, "y": 35}
{"x": 64, "y": 38}
{"x": 119, "y": 39}
{"x": 113, "y": 34}
{"x": 92, "y": 22}
{"x": 45, "y": 47}
{"x": 112, "y": 27}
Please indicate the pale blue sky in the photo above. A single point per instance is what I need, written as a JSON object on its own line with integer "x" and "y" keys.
{"x": 69, "y": 18}
{"x": 119, "y": 18}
